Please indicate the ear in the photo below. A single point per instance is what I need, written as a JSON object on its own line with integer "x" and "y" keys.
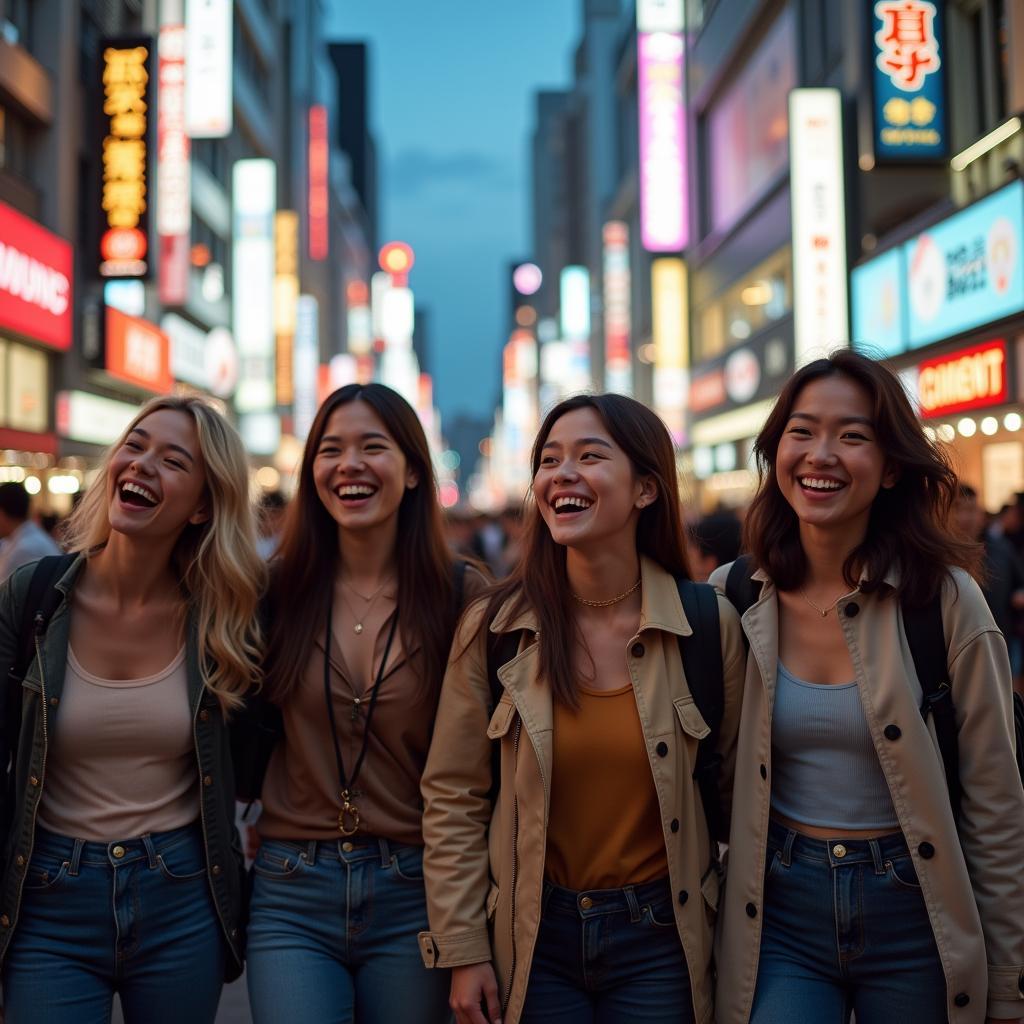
{"x": 647, "y": 492}
{"x": 891, "y": 477}
{"x": 412, "y": 479}
{"x": 201, "y": 515}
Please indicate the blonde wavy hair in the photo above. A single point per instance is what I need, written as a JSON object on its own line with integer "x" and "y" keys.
{"x": 222, "y": 574}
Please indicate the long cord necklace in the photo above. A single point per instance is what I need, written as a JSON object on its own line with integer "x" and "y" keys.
{"x": 607, "y": 604}
{"x": 348, "y": 817}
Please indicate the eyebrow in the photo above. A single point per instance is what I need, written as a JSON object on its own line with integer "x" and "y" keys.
{"x": 581, "y": 442}
{"x": 369, "y": 435}
{"x": 843, "y": 422}
{"x": 174, "y": 447}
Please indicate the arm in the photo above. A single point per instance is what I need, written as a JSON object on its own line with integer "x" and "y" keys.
{"x": 992, "y": 820}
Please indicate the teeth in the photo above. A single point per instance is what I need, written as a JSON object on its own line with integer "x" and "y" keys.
{"x": 133, "y": 488}
{"x": 355, "y": 491}
{"x": 815, "y": 484}
{"x": 573, "y": 502}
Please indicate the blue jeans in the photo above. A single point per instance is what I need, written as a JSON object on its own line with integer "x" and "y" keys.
{"x": 845, "y": 934}
{"x": 608, "y": 956}
{"x": 92, "y": 923}
{"x": 332, "y": 935}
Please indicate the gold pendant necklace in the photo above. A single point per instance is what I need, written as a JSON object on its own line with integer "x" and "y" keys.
{"x": 607, "y": 604}
{"x": 823, "y": 612}
{"x": 348, "y": 816}
{"x": 358, "y": 627}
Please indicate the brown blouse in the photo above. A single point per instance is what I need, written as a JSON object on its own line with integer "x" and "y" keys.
{"x": 301, "y": 795}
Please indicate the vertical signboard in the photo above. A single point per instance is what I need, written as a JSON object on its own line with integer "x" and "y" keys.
{"x": 286, "y": 294}
{"x": 173, "y": 185}
{"x": 253, "y": 196}
{"x": 818, "y": 203}
{"x": 574, "y": 296}
{"x": 208, "y": 93}
{"x": 318, "y": 200}
{"x": 663, "y": 184}
{"x": 669, "y": 321}
{"x": 618, "y": 362}
{"x": 126, "y": 69}
{"x": 908, "y": 74}
{"x": 306, "y": 363}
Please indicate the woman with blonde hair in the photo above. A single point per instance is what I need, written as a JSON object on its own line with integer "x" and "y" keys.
{"x": 121, "y": 867}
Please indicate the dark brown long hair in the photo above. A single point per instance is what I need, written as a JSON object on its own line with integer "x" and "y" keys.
{"x": 303, "y": 574}
{"x": 539, "y": 580}
{"x": 909, "y": 526}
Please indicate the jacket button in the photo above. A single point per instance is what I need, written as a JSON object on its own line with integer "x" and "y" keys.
{"x": 661, "y": 749}
{"x": 961, "y": 999}
{"x": 20, "y": 860}
{"x": 54, "y": 701}
{"x": 764, "y": 771}
{"x": 751, "y": 910}
{"x": 637, "y": 650}
{"x": 5, "y": 921}
{"x": 926, "y": 850}
{"x": 683, "y": 897}
{"x": 207, "y": 780}
{"x": 215, "y": 870}
{"x": 851, "y": 610}
{"x": 675, "y": 825}
{"x": 204, "y": 715}
{"x": 892, "y": 732}
{"x": 33, "y": 781}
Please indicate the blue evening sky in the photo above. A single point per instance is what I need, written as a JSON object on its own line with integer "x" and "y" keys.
{"x": 452, "y": 110}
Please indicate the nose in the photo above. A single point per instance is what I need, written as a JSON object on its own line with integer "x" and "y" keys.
{"x": 566, "y": 471}
{"x": 821, "y": 452}
{"x": 351, "y": 461}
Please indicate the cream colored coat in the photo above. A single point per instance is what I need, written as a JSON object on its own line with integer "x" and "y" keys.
{"x": 973, "y": 885}
{"x": 484, "y": 878}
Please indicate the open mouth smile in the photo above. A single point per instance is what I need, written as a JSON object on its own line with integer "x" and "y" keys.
{"x": 571, "y": 505}
{"x": 136, "y": 495}
{"x": 355, "y": 494}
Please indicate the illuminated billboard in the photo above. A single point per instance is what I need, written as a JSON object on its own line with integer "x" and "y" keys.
{"x": 618, "y": 360}
{"x": 669, "y": 322}
{"x": 208, "y": 88}
{"x": 318, "y": 199}
{"x": 173, "y": 184}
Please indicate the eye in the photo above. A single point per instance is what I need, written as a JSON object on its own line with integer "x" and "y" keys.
{"x": 134, "y": 445}
{"x": 328, "y": 450}
{"x": 799, "y": 431}
{"x": 176, "y": 464}
{"x": 548, "y": 460}
{"x": 589, "y": 455}
{"x": 374, "y": 448}
{"x": 855, "y": 435}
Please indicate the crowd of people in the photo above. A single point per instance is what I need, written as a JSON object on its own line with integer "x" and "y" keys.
{"x": 519, "y": 770}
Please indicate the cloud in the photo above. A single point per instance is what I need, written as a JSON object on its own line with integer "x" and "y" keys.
{"x": 416, "y": 170}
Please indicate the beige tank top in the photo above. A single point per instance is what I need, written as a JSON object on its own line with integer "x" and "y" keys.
{"x": 121, "y": 761}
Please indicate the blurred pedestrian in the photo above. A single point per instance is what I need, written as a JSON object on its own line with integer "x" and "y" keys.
{"x": 22, "y": 540}
{"x": 363, "y": 601}
{"x": 565, "y": 898}
{"x": 713, "y": 541}
{"x": 854, "y": 883}
{"x": 121, "y": 870}
{"x": 1003, "y": 578}
{"x": 270, "y": 521}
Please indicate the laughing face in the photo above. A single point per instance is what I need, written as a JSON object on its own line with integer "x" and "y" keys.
{"x": 586, "y": 488}
{"x": 829, "y": 465}
{"x": 156, "y": 479}
{"x": 360, "y": 472}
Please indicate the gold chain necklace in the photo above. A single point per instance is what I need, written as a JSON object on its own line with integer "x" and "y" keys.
{"x": 823, "y": 612}
{"x": 358, "y": 627}
{"x": 607, "y": 604}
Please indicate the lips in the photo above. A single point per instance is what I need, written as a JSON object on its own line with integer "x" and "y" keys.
{"x": 570, "y": 504}
{"x": 137, "y": 495}
{"x": 820, "y": 485}
{"x": 355, "y": 493}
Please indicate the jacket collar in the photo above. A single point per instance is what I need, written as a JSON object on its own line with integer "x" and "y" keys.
{"x": 891, "y": 578}
{"x": 661, "y": 607}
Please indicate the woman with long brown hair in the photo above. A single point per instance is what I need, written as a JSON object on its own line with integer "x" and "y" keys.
{"x": 862, "y": 878}
{"x": 362, "y": 608}
{"x": 585, "y": 892}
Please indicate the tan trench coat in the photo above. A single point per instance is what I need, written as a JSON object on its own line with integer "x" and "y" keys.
{"x": 973, "y": 883}
{"x": 484, "y": 878}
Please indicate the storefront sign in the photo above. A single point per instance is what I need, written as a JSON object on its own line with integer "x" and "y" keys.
{"x": 318, "y": 199}
{"x": 91, "y": 418}
{"x": 707, "y": 390}
{"x": 817, "y": 198}
{"x": 188, "y": 350}
{"x": 173, "y": 185}
{"x": 755, "y": 371}
{"x": 35, "y": 280}
{"x": 969, "y": 379}
{"x": 126, "y": 73}
{"x": 286, "y": 294}
{"x": 24, "y": 388}
{"x": 208, "y": 95}
{"x": 908, "y": 56}
{"x": 670, "y": 335}
{"x": 878, "y": 304}
{"x": 137, "y": 352}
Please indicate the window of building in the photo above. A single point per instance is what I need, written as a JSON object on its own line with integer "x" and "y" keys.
{"x": 757, "y": 300}
{"x": 13, "y": 143}
{"x": 748, "y": 127}
{"x": 16, "y": 24}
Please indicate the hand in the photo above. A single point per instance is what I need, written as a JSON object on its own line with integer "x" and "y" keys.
{"x": 474, "y": 987}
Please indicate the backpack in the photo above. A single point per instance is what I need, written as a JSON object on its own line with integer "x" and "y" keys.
{"x": 701, "y": 654}
{"x": 926, "y": 639}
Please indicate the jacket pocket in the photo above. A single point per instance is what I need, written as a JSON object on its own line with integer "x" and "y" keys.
{"x": 501, "y": 720}
{"x": 690, "y": 718}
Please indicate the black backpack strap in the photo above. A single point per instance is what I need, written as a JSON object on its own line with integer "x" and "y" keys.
{"x": 501, "y": 649}
{"x": 458, "y": 584}
{"x": 702, "y": 664}
{"x": 927, "y": 641}
{"x": 742, "y": 590}
{"x": 41, "y": 602}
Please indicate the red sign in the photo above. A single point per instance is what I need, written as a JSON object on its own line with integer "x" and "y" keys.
{"x": 36, "y": 270}
{"x": 707, "y": 390}
{"x": 319, "y": 203}
{"x": 138, "y": 352}
{"x": 969, "y": 379}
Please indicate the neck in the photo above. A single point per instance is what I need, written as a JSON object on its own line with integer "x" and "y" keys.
{"x": 368, "y": 556}
{"x": 134, "y": 570}
{"x": 600, "y": 575}
{"x": 827, "y": 552}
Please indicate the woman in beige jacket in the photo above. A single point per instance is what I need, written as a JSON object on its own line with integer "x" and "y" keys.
{"x": 587, "y": 892}
{"x": 852, "y": 887}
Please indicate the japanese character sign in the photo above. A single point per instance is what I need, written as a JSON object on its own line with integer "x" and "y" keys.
{"x": 909, "y": 49}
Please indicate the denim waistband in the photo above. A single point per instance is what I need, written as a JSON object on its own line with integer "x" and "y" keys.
{"x": 595, "y": 902}
{"x": 837, "y": 852}
{"x": 116, "y": 853}
{"x": 351, "y": 850}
